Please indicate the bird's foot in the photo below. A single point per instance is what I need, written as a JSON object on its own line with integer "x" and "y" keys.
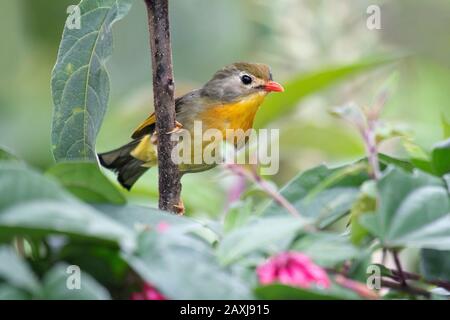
{"x": 179, "y": 208}
{"x": 178, "y": 127}
{"x": 154, "y": 138}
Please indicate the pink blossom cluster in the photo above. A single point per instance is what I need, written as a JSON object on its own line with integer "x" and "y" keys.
{"x": 148, "y": 293}
{"x": 294, "y": 269}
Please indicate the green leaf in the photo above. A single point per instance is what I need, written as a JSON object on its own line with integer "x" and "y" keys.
{"x": 435, "y": 264}
{"x": 322, "y": 193}
{"x": 257, "y": 235}
{"x": 325, "y": 248}
{"x": 278, "y": 105}
{"x": 183, "y": 267}
{"x": 134, "y": 216}
{"x": 283, "y": 292}
{"x": 365, "y": 204}
{"x": 21, "y": 184}
{"x": 84, "y": 180}
{"x": 140, "y": 218}
{"x": 80, "y": 82}
{"x": 445, "y": 126}
{"x": 414, "y": 211}
{"x": 386, "y": 160}
{"x": 33, "y": 203}
{"x": 55, "y": 286}
{"x": 73, "y": 219}
{"x": 16, "y": 272}
{"x": 418, "y": 156}
{"x": 440, "y": 157}
{"x": 358, "y": 267}
{"x": 8, "y": 292}
{"x": 239, "y": 214}
{"x": 6, "y": 155}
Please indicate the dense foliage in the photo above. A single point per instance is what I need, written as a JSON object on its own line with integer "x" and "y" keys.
{"x": 73, "y": 215}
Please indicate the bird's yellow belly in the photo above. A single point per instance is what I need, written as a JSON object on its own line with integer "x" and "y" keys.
{"x": 227, "y": 118}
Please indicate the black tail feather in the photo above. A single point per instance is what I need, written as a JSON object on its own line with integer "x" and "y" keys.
{"x": 128, "y": 168}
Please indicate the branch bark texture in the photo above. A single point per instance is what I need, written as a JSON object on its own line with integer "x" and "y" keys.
{"x": 164, "y": 101}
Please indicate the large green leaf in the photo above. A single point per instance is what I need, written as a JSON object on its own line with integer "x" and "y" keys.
{"x": 73, "y": 219}
{"x": 435, "y": 264}
{"x": 183, "y": 267}
{"x": 278, "y": 105}
{"x": 414, "y": 211}
{"x": 325, "y": 248}
{"x": 440, "y": 157}
{"x": 322, "y": 193}
{"x": 16, "y": 272}
{"x": 80, "y": 83}
{"x": 140, "y": 218}
{"x": 55, "y": 286}
{"x": 258, "y": 235}
{"x": 20, "y": 184}
{"x": 134, "y": 216}
{"x": 34, "y": 204}
{"x": 84, "y": 180}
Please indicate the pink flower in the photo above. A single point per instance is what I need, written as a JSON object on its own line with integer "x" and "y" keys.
{"x": 237, "y": 189}
{"x": 294, "y": 269}
{"x": 148, "y": 293}
{"x": 162, "y": 227}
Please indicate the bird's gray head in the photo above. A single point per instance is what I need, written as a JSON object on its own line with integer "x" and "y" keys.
{"x": 238, "y": 80}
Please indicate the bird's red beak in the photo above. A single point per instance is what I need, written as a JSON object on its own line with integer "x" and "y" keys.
{"x": 273, "y": 86}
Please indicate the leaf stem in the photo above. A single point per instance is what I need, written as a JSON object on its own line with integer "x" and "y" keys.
{"x": 407, "y": 289}
{"x": 399, "y": 268}
{"x": 418, "y": 277}
{"x": 369, "y": 137}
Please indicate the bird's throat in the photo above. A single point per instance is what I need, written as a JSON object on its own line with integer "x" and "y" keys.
{"x": 235, "y": 115}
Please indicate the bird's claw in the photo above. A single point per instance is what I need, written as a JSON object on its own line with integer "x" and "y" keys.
{"x": 154, "y": 138}
{"x": 178, "y": 127}
{"x": 179, "y": 208}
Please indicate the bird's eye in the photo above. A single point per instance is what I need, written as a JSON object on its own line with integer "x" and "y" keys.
{"x": 246, "y": 79}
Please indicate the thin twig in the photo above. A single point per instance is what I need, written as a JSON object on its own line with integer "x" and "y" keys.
{"x": 369, "y": 137}
{"x": 268, "y": 189}
{"x": 357, "y": 287}
{"x": 418, "y": 277}
{"x": 164, "y": 100}
{"x": 399, "y": 268}
{"x": 383, "y": 256}
{"x": 407, "y": 289}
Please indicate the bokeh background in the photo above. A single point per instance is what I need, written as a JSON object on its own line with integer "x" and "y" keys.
{"x": 293, "y": 36}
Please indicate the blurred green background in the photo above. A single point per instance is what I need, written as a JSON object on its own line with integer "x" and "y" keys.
{"x": 293, "y": 36}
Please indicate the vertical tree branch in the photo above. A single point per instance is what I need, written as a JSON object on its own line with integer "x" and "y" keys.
{"x": 163, "y": 95}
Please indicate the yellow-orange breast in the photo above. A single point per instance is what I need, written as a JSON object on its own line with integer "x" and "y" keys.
{"x": 236, "y": 115}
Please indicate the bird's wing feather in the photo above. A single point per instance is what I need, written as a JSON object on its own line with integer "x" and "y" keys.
{"x": 149, "y": 125}
{"x": 146, "y": 127}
